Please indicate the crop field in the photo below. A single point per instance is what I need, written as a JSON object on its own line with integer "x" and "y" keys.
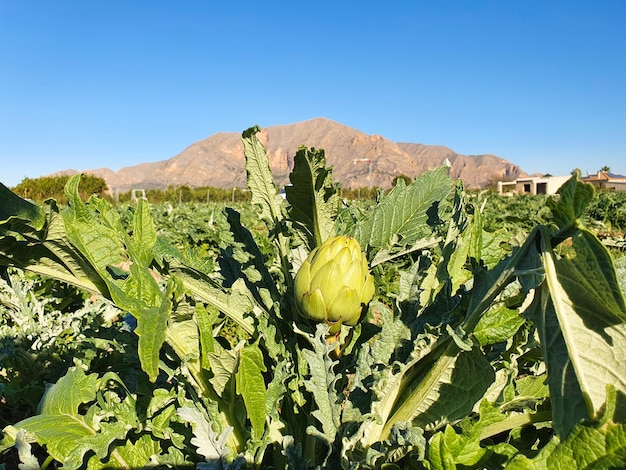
{"x": 428, "y": 329}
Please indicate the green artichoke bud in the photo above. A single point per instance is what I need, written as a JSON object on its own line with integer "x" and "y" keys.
{"x": 334, "y": 283}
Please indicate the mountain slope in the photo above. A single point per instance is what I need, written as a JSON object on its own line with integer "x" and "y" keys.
{"x": 358, "y": 159}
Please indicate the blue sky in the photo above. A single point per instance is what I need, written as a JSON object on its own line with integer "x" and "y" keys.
{"x": 88, "y": 84}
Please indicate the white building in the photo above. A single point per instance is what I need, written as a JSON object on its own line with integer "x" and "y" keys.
{"x": 532, "y": 185}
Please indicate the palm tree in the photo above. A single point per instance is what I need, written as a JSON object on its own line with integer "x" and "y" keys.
{"x": 605, "y": 168}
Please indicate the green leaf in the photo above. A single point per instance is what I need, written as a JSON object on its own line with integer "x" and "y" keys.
{"x": 440, "y": 456}
{"x": 251, "y": 386}
{"x": 14, "y": 207}
{"x": 71, "y": 391}
{"x": 34, "y": 239}
{"x": 211, "y": 446}
{"x": 144, "y": 235}
{"x": 223, "y": 366}
{"x": 67, "y": 434}
{"x": 586, "y": 448}
{"x": 569, "y": 204}
{"x": 237, "y": 304}
{"x": 95, "y": 229}
{"x": 313, "y": 197}
{"x": 101, "y": 244}
{"x": 205, "y": 328}
{"x": 80, "y": 272}
{"x": 321, "y": 384}
{"x": 584, "y": 353}
{"x": 498, "y": 324}
{"x": 139, "y": 453}
{"x": 260, "y": 179}
{"x": 404, "y": 214}
{"x": 375, "y": 360}
{"x": 590, "y": 280}
{"x": 151, "y": 329}
{"x": 447, "y": 392}
{"x": 457, "y": 244}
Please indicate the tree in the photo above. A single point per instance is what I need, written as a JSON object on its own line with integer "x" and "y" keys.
{"x": 45, "y": 187}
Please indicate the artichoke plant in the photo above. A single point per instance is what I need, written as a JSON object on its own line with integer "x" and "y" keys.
{"x": 334, "y": 283}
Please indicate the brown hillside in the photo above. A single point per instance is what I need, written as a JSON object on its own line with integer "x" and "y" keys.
{"x": 218, "y": 160}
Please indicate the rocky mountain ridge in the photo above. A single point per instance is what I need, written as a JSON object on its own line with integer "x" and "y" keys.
{"x": 358, "y": 160}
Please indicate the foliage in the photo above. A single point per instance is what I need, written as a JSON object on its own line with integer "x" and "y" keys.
{"x": 231, "y": 196}
{"x": 187, "y": 194}
{"x": 521, "y": 211}
{"x": 609, "y": 208}
{"x": 47, "y": 327}
{"x": 45, "y": 187}
{"x": 480, "y": 349}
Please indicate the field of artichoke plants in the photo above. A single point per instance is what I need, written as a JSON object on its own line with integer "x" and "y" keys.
{"x": 414, "y": 332}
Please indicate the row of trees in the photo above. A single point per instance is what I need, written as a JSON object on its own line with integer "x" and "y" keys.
{"x": 40, "y": 189}
{"x": 46, "y": 187}
{"x": 179, "y": 194}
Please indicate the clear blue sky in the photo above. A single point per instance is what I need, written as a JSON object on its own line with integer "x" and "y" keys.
{"x": 87, "y": 84}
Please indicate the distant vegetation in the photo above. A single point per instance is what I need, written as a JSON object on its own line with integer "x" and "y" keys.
{"x": 40, "y": 189}
{"x": 46, "y": 187}
{"x": 607, "y": 207}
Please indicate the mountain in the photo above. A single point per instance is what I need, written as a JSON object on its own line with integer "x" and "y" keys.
{"x": 358, "y": 160}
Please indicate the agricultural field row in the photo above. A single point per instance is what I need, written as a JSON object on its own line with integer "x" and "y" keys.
{"x": 427, "y": 329}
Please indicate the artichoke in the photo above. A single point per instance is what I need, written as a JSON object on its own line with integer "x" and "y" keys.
{"x": 334, "y": 283}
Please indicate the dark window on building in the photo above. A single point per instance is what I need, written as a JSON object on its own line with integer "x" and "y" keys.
{"x": 542, "y": 188}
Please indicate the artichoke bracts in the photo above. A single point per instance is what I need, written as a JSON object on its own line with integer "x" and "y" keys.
{"x": 334, "y": 283}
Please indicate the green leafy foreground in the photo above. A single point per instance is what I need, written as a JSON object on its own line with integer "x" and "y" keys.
{"x": 477, "y": 351}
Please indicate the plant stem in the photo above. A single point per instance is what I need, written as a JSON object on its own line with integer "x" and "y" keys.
{"x": 46, "y": 462}
{"x": 515, "y": 421}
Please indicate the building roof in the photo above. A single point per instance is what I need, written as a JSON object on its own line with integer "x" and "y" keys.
{"x": 603, "y": 176}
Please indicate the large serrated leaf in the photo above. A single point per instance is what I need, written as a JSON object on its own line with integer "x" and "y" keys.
{"x": 144, "y": 234}
{"x": 96, "y": 231}
{"x": 223, "y": 367}
{"x": 259, "y": 177}
{"x": 102, "y": 245}
{"x": 211, "y": 446}
{"x": 251, "y": 386}
{"x": 67, "y": 434}
{"x": 313, "y": 197}
{"x": 151, "y": 329}
{"x": 405, "y": 212}
{"x": 139, "y": 453}
{"x": 321, "y": 384}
